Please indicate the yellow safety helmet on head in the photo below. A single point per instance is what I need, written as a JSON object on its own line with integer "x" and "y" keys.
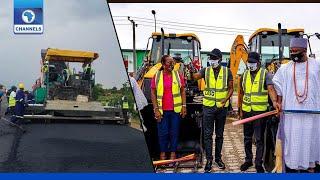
{"x": 21, "y": 86}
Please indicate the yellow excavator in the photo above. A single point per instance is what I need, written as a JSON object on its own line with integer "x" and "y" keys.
{"x": 271, "y": 44}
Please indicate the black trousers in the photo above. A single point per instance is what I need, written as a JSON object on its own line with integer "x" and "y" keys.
{"x": 256, "y": 128}
{"x": 125, "y": 116}
{"x": 213, "y": 119}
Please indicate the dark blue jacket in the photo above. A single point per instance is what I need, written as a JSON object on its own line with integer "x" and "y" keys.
{"x": 20, "y": 103}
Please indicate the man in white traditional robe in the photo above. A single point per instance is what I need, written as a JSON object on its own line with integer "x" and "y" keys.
{"x": 298, "y": 87}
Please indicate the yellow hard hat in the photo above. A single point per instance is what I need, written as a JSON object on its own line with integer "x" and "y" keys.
{"x": 21, "y": 86}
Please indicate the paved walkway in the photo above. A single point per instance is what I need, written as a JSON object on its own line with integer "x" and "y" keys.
{"x": 232, "y": 153}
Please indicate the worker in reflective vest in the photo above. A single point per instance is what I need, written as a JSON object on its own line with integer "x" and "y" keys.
{"x": 19, "y": 109}
{"x": 12, "y": 100}
{"x": 256, "y": 83}
{"x": 169, "y": 103}
{"x": 125, "y": 108}
{"x": 45, "y": 72}
{"x": 217, "y": 92}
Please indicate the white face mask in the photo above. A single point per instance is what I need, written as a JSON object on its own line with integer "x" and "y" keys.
{"x": 252, "y": 66}
{"x": 214, "y": 63}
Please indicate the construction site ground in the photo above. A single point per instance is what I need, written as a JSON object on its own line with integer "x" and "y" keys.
{"x": 232, "y": 152}
{"x": 73, "y": 147}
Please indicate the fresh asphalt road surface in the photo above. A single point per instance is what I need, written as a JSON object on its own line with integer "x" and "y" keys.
{"x": 73, "y": 148}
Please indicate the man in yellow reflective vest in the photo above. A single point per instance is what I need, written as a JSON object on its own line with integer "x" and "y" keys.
{"x": 125, "y": 108}
{"x": 255, "y": 85}
{"x": 45, "y": 70}
{"x": 12, "y": 100}
{"x": 217, "y": 92}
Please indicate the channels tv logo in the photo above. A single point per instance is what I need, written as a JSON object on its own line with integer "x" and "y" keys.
{"x": 28, "y": 17}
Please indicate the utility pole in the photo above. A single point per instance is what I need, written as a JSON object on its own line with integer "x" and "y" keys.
{"x": 134, "y": 25}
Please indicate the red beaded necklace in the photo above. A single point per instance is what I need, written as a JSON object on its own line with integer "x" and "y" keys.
{"x": 305, "y": 91}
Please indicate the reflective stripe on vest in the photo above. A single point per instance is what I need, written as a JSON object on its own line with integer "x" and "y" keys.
{"x": 215, "y": 90}
{"x": 176, "y": 84}
{"x": 12, "y": 101}
{"x": 255, "y": 96}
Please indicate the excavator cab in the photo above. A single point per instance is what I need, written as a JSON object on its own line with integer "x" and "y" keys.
{"x": 266, "y": 41}
{"x": 187, "y": 45}
{"x": 271, "y": 44}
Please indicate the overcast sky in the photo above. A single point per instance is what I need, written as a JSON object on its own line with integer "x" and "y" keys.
{"x": 241, "y": 16}
{"x": 72, "y": 24}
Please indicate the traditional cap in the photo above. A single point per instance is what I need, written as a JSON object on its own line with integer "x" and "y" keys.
{"x": 299, "y": 43}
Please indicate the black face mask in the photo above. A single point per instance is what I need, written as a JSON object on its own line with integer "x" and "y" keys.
{"x": 297, "y": 57}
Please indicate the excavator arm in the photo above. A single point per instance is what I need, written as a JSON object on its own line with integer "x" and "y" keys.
{"x": 239, "y": 50}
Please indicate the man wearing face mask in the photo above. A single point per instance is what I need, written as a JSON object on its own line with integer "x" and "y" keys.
{"x": 218, "y": 90}
{"x": 255, "y": 85}
{"x": 297, "y": 84}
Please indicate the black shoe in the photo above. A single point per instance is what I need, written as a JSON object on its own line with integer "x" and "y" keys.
{"x": 220, "y": 164}
{"x": 208, "y": 167}
{"x": 259, "y": 169}
{"x": 245, "y": 166}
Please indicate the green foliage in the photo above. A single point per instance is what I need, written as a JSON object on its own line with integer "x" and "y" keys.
{"x": 113, "y": 96}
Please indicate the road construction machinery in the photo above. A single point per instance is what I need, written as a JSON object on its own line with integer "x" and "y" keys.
{"x": 62, "y": 93}
{"x": 188, "y": 45}
{"x": 272, "y": 44}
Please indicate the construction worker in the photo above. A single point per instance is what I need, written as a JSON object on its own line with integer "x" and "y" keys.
{"x": 66, "y": 76}
{"x": 255, "y": 85}
{"x": 3, "y": 101}
{"x": 125, "y": 108}
{"x": 217, "y": 92}
{"x": 88, "y": 73}
{"x": 30, "y": 99}
{"x": 45, "y": 70}
{"x": 169, "y": 102}
{"x": 19, "y": 109}
{"x": 12, "y": 100}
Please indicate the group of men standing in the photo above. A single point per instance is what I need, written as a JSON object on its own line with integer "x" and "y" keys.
{"x": 16, "y": 102}
{"x": 294, "y": 87}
